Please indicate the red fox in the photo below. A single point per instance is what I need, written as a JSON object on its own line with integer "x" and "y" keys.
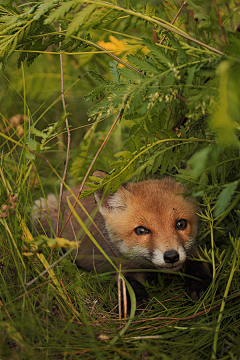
{"x": 148, "y": 225}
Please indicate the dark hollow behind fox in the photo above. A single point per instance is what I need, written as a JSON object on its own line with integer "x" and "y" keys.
{"x": 149, "y": 225}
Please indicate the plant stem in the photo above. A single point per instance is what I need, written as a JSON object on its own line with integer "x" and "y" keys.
{"x": 68, "y": 136}
{"x": 212, "y": 248}
{"x": 108, "y": 53}
{"x": 220, "y": 22}
{"x": 90, "y": 167}
{"x": 215, "y": 341}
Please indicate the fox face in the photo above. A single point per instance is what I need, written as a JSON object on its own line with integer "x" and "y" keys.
{"x": 151, "y": 223}
{"x": 148, "y": 225}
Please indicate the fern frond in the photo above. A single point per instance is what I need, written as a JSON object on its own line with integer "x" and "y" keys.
{"x": 58, "y": 13}
{"x": 19, "y": 30}
{"x": 44, "y": 7}
{"x": 158, "y": 54}
{"x": 80, "y": 18}
{"x": 144, "y": 64}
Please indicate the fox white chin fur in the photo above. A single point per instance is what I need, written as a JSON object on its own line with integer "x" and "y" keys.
{"x": 148, "y": 225}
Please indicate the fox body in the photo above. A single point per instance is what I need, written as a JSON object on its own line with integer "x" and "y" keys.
{"x": 147, "y": 225}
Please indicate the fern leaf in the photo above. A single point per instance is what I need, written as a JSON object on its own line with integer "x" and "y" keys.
{"x": 7, "y": 10}
{"x": 173, "y": 161}
{"x": 146, "y": 65}
{"x": 157, "y": 163}
{"x": 181, "y": 54}
{"x": 80, "y": 18}
{"x": 191, "y": 72}
{"x": 167, "y": 156}
{"x": 114, "y": 71}
{"x": 61, "y": 11}
{"x": 124, "y": 154}
{"x": 100, "y": 78}
{"x": 150, "y": 164}
{"x": 101, "y": 18}
{"x": 130, "y": 75}
{"x": 44, "y": 7}
{"x": 157, "y": 53}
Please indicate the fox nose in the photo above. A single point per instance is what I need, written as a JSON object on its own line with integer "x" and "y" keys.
{"x": 171, "y": 256}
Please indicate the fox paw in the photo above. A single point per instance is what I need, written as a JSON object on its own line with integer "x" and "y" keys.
{"x": 196, "y": 289}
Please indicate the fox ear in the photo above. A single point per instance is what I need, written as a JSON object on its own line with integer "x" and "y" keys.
{"x": 110, "y": 203}
{"x": 100, "y": 174}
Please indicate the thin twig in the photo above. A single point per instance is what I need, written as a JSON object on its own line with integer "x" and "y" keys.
{"x": 155, "y": 37}
{"x": 47, "y": 270}
{"x": 174, "y": 20}
{"x": 217, "y": 330}
{"x": 119, "y": 298}
{"x": 90, "y": 167}
{"x": 76, "y": 128}
{"x": 113, "y": 56}
{"x": 124, "y": 294}
{"x": 179, "y": 123}
{"x": 220, "y": 22}
{"x": 68, "y": 135}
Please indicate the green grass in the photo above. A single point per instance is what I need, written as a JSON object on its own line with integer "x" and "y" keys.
{"x": 72, "y": 314}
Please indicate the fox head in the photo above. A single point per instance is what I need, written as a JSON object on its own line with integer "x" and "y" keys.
{"x": 151, "y": 222}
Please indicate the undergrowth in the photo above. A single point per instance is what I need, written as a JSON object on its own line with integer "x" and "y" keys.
{"x": 167, "y": 103}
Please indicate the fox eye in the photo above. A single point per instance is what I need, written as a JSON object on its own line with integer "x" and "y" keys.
{"x": 181, "y": 224}
{"x": 140, "y": 230}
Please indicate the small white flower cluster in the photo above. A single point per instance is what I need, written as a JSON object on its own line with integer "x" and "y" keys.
{"x": 126, "y": 102}
{"x": 99, "y": 116}
{"x": 110, "y": 110}
{"x": 112, "y": 96}
{"x": 175, "y": 71}
{"x": 202, "y": 107}
{"x": 153, "y": 98}
{"x": 95, "y": 116}
{"x": 171, "y": 95}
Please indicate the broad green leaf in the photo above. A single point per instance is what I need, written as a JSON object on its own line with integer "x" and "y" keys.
{"x": 225, "y": 197}
{"x": 199, "y": 160}
{"x": 191, "y": 72}
{"x": 225, "y": 117}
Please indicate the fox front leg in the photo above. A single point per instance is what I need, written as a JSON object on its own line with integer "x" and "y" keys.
{"x": 201, "y": 270}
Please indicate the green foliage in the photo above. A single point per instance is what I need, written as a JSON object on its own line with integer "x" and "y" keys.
{"x": 225, "y": 197}
{"x": 227, "y": 110}
{"x": 20, "y": 30}
{"x": 178, "y": 103}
